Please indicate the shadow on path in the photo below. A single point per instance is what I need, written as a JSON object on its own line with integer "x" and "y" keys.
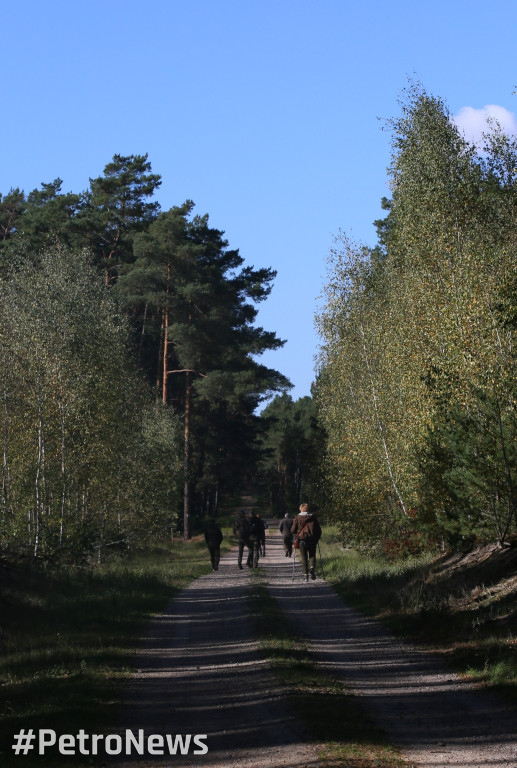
{"x": 201, "y": 672}
{"x": 437, "y": 717}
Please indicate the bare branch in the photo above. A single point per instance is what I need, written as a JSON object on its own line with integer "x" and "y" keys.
{"x": 188, "y": 370}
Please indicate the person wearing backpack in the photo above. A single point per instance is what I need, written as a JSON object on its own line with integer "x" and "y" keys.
{"x": 257, "y": 536}
{"x": 285, "y": 532}
{"x": 241, "y": 530}
{"x": 306, "y": 531}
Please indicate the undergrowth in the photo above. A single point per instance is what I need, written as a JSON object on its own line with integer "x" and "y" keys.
{"x": 69, "y": 636}
{"x": 465, "y": 611}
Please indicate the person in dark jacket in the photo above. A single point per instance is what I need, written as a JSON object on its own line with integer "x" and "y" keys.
{"x": 285, "y": 531}
{"x": 241, "y": 530}
{"x": 213, "y": 538}
{"x": 307, "y": 530}
{"x": 257, "y": 536}
{"x": 263, "y": 536}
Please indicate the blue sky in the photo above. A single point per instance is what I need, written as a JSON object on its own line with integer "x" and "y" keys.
{"x": 268, "y": 114}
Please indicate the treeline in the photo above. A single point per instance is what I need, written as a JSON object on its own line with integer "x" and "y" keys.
{"x": 416, "y": 386}
{"x": 291, "y": 446}
{"x": 129, "y": 375}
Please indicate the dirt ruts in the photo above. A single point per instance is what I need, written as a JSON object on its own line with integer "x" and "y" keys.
{"x": 201, "y": 672}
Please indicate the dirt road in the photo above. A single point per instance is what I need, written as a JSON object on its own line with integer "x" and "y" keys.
{"x": 201, "y": 672}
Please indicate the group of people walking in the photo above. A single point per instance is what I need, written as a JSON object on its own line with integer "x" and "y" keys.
{"x": 301, "y": 533}
{"x": 250, "y": 533}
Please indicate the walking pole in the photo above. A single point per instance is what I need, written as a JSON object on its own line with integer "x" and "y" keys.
{"x": 321, "y": 561}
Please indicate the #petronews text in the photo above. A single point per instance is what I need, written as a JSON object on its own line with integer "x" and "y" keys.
{"x": 113, "y": 744}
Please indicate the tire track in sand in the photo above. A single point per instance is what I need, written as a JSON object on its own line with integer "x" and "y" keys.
{"x": 201, "y": 671}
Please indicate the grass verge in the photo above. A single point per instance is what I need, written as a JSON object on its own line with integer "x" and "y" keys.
{"x": 461, "y": 612}
{"x": 69, "y": 638}
{"x": 332, "y": 714}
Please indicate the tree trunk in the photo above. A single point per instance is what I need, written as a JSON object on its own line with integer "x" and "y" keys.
{"x": 5, "y": 493}
{"x": 142, "y": 335}
{"x": 159, "y": 367}
{"x": 186, "y": 465}
{"x": 512, "y": 502}
{"x": 165, "y": 382}
{"x": 39, "y": 469}
{"x": 165, "y": 377}
{"x": 380, "y": 424}
{"x": 63, "y": 477}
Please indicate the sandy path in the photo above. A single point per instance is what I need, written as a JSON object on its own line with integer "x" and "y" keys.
{"x": 202, "y": 673}
{"x": 434, "y": 715}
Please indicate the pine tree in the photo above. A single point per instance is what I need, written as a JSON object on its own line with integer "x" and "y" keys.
{"x": 194, "y": 294}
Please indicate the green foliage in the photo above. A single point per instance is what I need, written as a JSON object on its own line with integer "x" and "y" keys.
{"x": 69, "y": 637}
{"x": 32, "y": 222}
{"x": 117, "y": 208}
{"x": 416, "y": 387}
{"x": 291, "y": 445}
{"x": 471, "y": 456}
{"x": 463, "y": 605}
{"x": 104, "y": 219}
{"x": 88, "y": 460}
{"x": 75, "y": 416}
{"x": 11, "y": 208}
{"x": 194, "y": 303}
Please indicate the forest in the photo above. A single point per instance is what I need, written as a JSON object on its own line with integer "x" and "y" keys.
{"x": 130, "y": 372}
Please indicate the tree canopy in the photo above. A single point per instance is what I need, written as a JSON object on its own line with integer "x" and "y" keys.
{"x": 416, "y": 381}
{"x": 292, "y": 444}
{"x": 129, "y": 356}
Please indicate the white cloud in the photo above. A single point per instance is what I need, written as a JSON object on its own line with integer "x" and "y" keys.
{"x": 473, "y": 122}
